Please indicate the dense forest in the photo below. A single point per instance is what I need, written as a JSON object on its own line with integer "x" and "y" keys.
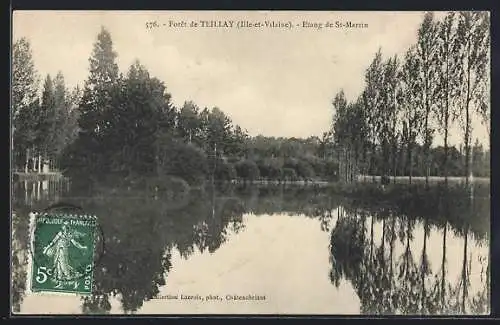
{"x": 124, "y": 126}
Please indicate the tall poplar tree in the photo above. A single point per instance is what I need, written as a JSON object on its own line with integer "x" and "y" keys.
{"x": 427, "y": 76}
{"x": 24, "y": 90}
{"x": 46, "y": 123}
{"x": 473, "y": 38}
{"x": 373, "y": 101}
{"x": 411, "y": 105}
{"x": 447, "y": 81}
{"x": 64, "y": 126}
{"x": 390, "y": 113}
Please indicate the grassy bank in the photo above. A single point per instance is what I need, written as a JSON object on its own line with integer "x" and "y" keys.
{"x": 263, "y": 182}
{"x": 420, "y": 179}
{"x": 366, "y": 186}
{"x": 362, "y": 181}
{"x": 378, "y": 192}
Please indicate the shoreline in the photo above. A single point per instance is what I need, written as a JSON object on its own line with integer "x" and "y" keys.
{"x": 35, "y": 176}
{"x": 360, "y": 180}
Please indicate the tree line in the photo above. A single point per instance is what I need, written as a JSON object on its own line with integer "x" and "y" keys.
{"x": 124, "y": 126}
{"x": 442, "y": 81}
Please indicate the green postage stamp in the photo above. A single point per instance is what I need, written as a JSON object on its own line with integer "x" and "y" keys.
{"x": 63, "y": 249}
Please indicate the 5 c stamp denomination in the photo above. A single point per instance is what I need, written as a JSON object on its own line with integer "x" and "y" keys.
{"x": 63, "y": 249}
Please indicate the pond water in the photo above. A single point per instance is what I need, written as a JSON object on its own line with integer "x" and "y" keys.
{"x": 269, "y": 250}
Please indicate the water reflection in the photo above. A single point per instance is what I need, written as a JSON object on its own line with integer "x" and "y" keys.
{"x": 411, "y": 258}
{"x": 28, "y": 195}
{"x": 393, "y": 261}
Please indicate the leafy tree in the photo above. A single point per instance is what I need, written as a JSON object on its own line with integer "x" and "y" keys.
{"x": 98, "y": 99}
{"x": 182, "y": 160}
{"x": 392, "y": 102}
{"x": 61, "y": 126}
{"x": 302, "y": 168}
{"x": 24, "y": 76}
{"x": 247, "y": 170}
{"x": 103, "y": 76}
{"x": 324, "y": 147}
{"x": 219, "y": 129}
{"x": 473, "y": 41}
{"x": 46, "y": 123}
{"x": 372, "y": 99}
{"x": 224, "y": 170}
{"x": 270, "y": 168}
{"x": 448, "y": 81}
{"x": 26, "y": 134}
{"x": 236, "y": 144}
{"x": 426, "y": 53}
{"x": 24, "y": 99}
{"x": 480, "y": 160}
{"x": 317, "y": 164}
{"x": 64, "y": 124}
{"x": 412, "y": 117}
{"x": 341, "y": 130}
{"x": 350, "y": 131}
{"x": 134, "y": 123}
{"x": 189, "y": 124}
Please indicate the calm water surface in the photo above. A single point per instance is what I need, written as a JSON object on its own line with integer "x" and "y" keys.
{"x": 305, "y": 250}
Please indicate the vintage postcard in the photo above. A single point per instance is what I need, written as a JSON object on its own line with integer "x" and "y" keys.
{"x": 251, "y": 162}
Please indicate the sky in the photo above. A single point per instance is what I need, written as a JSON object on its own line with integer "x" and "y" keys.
{"x": 270, "y": 81}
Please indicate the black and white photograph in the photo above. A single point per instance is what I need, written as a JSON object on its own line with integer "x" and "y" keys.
{"x": 251, "y": 162}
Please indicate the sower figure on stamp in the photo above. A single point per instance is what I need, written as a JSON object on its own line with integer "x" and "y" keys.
{"x": 58, "y": 250}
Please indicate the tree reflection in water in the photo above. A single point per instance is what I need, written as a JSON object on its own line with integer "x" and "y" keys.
{"x": 27, "y": 196}
{"x": 140, "y": 234}
{"x": 407, "y": 284}
{"x": 19, "y": 261}
{"x": 142, "y": 231}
